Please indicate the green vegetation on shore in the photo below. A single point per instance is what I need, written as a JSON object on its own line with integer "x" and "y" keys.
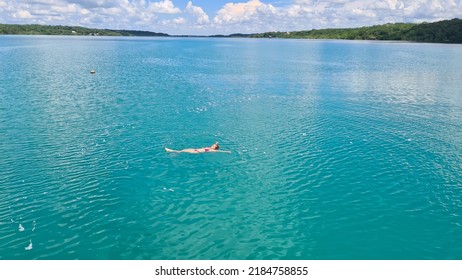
{"x": 36, "y": 29}
{"x": 446, "y": 31}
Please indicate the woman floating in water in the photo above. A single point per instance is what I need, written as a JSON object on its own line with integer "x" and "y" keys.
{"x": 212, "y": 149}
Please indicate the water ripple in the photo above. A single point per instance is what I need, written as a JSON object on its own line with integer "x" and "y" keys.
{"x": 327, "y": 153}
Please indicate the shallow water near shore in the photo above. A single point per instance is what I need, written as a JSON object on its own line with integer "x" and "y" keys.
{"x": 340, "y": 149}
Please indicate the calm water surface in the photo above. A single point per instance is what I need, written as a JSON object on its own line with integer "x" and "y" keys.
{"x": 340, "y": 150}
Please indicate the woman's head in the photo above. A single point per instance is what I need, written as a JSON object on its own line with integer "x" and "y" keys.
{"x": 215, "y": 146}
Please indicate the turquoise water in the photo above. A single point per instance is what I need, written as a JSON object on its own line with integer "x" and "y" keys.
{"x": 340, "y": 150}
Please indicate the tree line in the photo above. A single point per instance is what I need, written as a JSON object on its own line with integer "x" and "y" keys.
{"x": 37, "y": 29}
{"x": 446, "y": 31}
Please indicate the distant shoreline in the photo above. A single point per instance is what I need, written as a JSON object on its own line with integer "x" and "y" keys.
{"x": 446, "y": 31}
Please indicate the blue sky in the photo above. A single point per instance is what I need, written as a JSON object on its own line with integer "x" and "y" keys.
{"x": 206, "y": 17}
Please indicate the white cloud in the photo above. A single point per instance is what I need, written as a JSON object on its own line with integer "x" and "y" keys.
{"x": 65, "y": 9}
{"x": 175, "y": 21}
{"x": 308, "y": 14}
{"x": 114, "y": 14}
{"x": 193, "y": 20}
{"x": 22, "y": 14}
{"x": 163, "y": 7}
{"x": 198, "y": 13}
{"x": 394, "y": 4}
{"x": 428, "y": 9}
{"x": 89, "y": 4}
{"x": 243, "y": 12}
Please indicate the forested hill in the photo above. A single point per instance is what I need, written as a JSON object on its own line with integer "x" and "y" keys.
{"x": 446, "y": 31}
{"x": 35, "y": 29}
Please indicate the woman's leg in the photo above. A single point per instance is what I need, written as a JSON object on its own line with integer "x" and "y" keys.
{"x": 191, "y": 151}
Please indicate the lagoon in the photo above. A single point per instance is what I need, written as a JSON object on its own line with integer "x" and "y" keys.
{"x": 340, "y": 149}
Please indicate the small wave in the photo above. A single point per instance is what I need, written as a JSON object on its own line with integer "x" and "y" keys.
{"x": 29, "y": 247}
